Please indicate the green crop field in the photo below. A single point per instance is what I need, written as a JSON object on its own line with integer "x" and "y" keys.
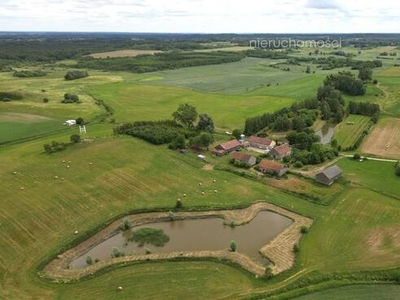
{"x": 350, "y": 129}
{"x": 142, "y": 102}
{"x": 357, "y": 292}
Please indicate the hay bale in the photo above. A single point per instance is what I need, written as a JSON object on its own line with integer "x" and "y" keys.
{"x": 214, "y": 181}
{"x": 184, "y": 195}
{"x": 76, "y": 232}
{"x": 22, "y": 188}
{"x": 15, "y": 173}
{"x": 119, "y": 288}
{"x": 200, "y": 184}
{"x": 62, "y": 178}
{"x": 68, "y": 166}
{"x": 56, "y": 177}
{"x": 63, "y": 161}
{"x": 215, "y": 191}
{"x": 203, "y": 193}
{"x": 90, "y": 164}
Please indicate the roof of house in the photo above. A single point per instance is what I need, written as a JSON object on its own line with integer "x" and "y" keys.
{"x": 270, "y": 165}
{"x": 244, "y": 157}
{"x": 258, "y": 140}
{"x": 283, "y": 149}
{"x": 332, "y": 172}
{"x": 229, "y": 145}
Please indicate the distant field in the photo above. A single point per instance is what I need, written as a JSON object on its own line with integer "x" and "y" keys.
{"x": 245, "y": 76}
{"x": 357, "y": 292}
{"x": 384, "y": 140}
{"x": 140, "y": 102}
{"x": 350, "y": 129}
{"x": 123, "y": 53}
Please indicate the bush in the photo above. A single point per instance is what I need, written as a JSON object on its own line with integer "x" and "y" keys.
{"x": 303, "y": 229}
{"x": 45, "y": 100}
{"x": 152, "y": 236}
{"x": 397, "y": 171}
{"x": 27, "y": 74}
{"x": 268, "y": 272}
{"x": 233, "y": 246}
{"x": 178, "y": 204}
{"x": 89, "y": 260}
{"x": 80, "y": 121}
{"x": 356, "y": 156}
{"x": 75, "y": 138}
{"x": 298, "y": 164}
{"x": 70, "y": 98}
{"x": 71, "y": 75}
{"x": 296, "y": 248}
{"x": 117, "y": 253}
{"x": 126, "y": 225}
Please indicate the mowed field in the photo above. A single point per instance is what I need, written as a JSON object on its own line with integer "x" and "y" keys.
{"x": 384, "y": 140}
{"x": 357, "y": 292}
{"x": 350, "y": 129}
{"x": 146, "y": 102}
{"x": 126, "y": 174}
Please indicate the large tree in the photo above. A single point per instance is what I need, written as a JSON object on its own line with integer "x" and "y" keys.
{"x": 203, "y": 140}
{"x": 185, "y": 114}
{"x": 365, "y": 74}
{"x": 205, "y": 123}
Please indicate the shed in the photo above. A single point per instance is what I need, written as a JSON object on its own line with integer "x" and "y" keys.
{"x": 244, "y": 158}
{"x": 328, "y": 176}
{"x": 227, "y": 147}
{"x": 271, "y": 167}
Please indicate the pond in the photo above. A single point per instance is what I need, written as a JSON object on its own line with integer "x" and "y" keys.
{"x": 197, "y": 235}
{"x": 326, "y": 133}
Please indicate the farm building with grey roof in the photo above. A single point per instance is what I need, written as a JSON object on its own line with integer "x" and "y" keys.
{"x": 329, "y": 175}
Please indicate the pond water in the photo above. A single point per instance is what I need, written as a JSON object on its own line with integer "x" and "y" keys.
{"x": 197, "y": 235}
{"x": 326, "y": 134}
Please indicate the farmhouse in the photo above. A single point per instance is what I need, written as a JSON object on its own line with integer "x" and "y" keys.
{"x": 329, "y": 175}
{"x": 261, "y": 143}
{"x": 270, "y": 167}
{"x": 244, "y": 158}
{"x": 281, "y": 151}
{"x": 227, "y": 147}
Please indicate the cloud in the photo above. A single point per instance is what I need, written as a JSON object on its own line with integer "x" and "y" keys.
{"x": 323, "y": 4}
{"x": 274, "y": 16}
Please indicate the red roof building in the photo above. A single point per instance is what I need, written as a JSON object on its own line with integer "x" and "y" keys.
{"x": 260, "y": 143}
{"x": 281, "y": 151}
{"x": 271, "y": 167}
{"x": 227, "y": 147}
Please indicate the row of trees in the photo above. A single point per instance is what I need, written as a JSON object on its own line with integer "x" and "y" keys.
{"x": 160, "y": 61}
{"x": 285, "y": 119}
{"x": 346, "y": 83}
{"x": 28, "y": 74}
{"x": 174, "y": 132}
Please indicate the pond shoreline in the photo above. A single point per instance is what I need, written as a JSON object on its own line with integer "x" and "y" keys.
{"x": 279, "y": 250}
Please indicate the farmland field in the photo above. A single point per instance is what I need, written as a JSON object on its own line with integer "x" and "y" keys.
{"x": 357, "y": 292}
{"x": 123, "y": 53}
{"x": 140, "y": 102}
{"x": 350, "y": 129}
{"x": 384, "y": 140}
{"x": 47, "y": 207}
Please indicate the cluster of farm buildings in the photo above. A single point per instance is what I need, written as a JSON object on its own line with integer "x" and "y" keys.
{"x": 275, "y": 153}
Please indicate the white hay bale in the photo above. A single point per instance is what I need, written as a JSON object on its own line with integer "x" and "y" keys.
{"x": 214, "y": 181}
{"x": 203, "y": 193}
{"x": 119, "y": 288}
{"x": 69, "y": 162}
{"x": 200, "y": 184}
{"x": 62, "y": 178}
{"x": 15, "y": 173}
{"x": 184, "y": 195}
{"x": 22, "y": 188}
{"x": 76, "y": 232}
{"x": 68, "y": 166}
{"x": 56, "y": 177}
{"x": 63, "y": 161}
{"x": 215, "y": 191}
{"x": 90, "y": 164}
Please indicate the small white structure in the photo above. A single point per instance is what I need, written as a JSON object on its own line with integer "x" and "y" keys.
{"x": 202, "y": 157}
{"x": 70, "y": 122}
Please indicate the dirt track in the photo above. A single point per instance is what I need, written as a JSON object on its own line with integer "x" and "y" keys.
{"x": 279, "y": 250}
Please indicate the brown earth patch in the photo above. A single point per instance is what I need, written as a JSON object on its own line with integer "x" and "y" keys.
{"x": 279, "y": 250}
{"x": 384, "y": 140}
{"x": 384, "y": 240}
{"x": 208, "y": 167}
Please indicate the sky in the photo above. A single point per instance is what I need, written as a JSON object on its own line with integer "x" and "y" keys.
{"x": 202, "y": 16}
